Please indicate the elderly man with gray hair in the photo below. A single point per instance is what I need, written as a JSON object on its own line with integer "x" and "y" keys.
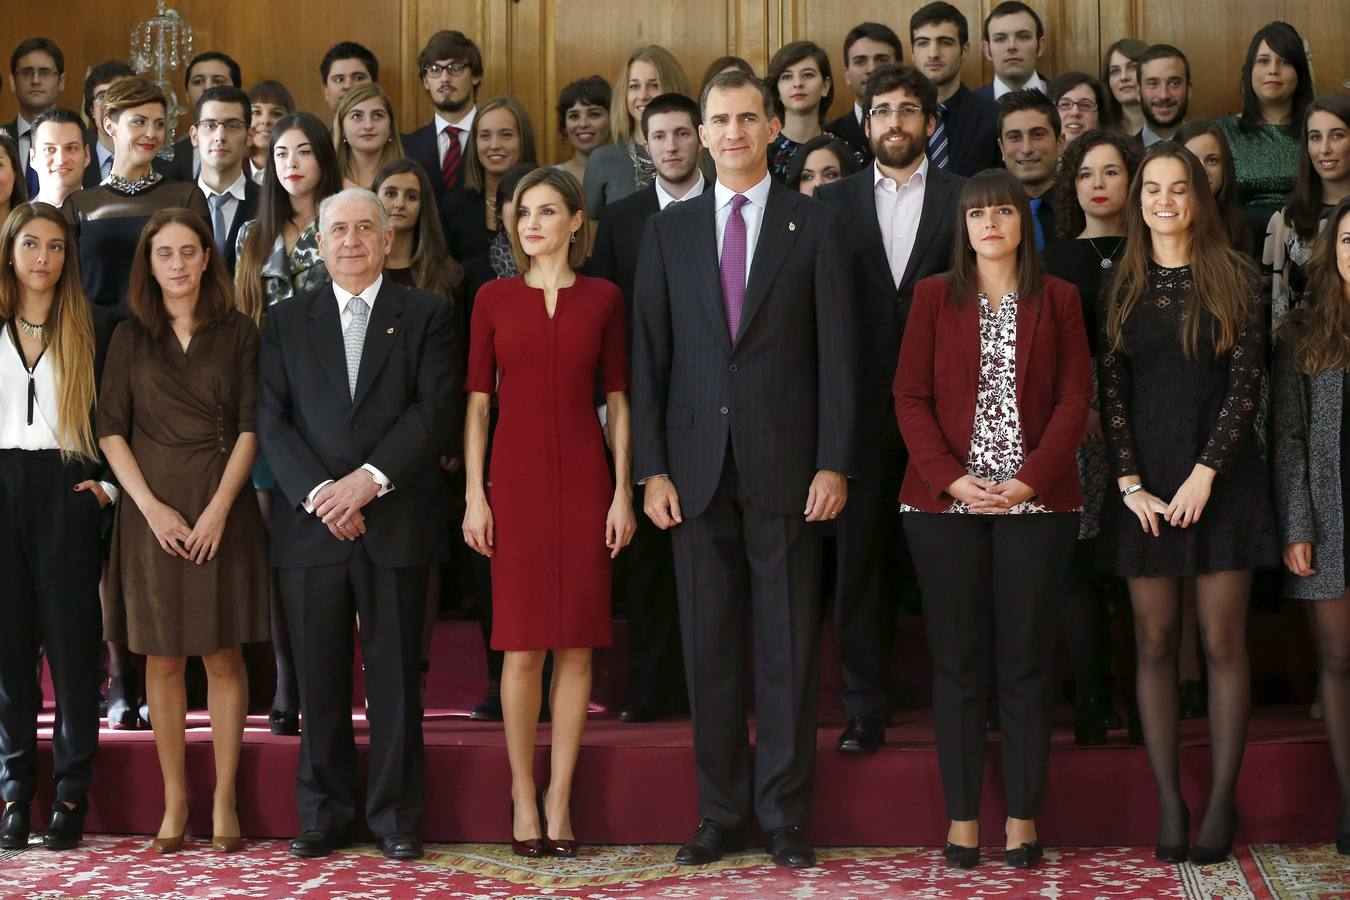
{"x": 357, "y": 390}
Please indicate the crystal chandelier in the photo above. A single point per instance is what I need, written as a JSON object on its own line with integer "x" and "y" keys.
{"x": 160, "y": 47}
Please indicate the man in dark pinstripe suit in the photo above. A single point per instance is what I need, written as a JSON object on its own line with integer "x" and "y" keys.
{"x": 743, "y": 407}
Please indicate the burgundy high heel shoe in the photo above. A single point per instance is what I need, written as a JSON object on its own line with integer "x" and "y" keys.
{"x": 565, "y": 848}
{"x": 531, "y": 848}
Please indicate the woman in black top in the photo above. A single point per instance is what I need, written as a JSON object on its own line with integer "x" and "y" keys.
{"x": 1182, "y": 364}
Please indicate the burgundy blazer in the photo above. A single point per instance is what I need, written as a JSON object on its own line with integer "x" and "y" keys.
{"x": 938, "y": 378}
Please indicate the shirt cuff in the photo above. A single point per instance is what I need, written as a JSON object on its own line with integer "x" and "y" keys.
{"x": 112, "y": 492}
{"x": 308, "y": 504}
{"x": 380, "y": 479}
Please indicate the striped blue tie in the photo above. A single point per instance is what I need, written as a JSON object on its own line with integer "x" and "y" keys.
{"x": 937, "y": 144}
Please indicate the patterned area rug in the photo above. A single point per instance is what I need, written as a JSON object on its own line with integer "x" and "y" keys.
{"x": 123, "y": 867}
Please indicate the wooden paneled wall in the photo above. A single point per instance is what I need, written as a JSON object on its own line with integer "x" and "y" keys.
{"x": 534, "y": 47}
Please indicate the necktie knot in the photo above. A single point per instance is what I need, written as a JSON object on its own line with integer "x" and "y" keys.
{"x": 217, "y": 200}
{"x": 356, "y": 307}
{"x": 738, "y": 201}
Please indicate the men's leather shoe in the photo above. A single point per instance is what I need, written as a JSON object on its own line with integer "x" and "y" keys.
{"x": 314, "y": 844}
{"x": 400, "y": 846}
{"x": 646, "y": 708}
{"x": 861, "y": 735}
{"x": 14, "y": 826}
{"x": 66, "y": 827}
{"x": 788, "y": 847}
{"x": 709, "y": 844}
{"x": 489, "y": 709}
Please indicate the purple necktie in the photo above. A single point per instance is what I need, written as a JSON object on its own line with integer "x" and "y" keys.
{"x": 733, "y": 264}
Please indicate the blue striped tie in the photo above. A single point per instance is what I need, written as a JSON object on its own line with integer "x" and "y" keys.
{"x": 937, "y": 144}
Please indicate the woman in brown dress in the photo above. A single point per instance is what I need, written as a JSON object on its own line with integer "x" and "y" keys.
{"x": 188, "y": 572}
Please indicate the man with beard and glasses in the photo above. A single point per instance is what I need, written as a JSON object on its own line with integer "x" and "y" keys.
{"x": 899, "y": 216}
{"x": 964, "y": 139}
{"x": 1014, "y": 39}
{"x": 451, "y": 68}
{"x": 644, "y": 576}
{"x": 1165, "y": 86}
{"x": 1030, "y": 139}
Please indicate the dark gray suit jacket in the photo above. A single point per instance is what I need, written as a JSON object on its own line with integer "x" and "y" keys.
{"x": 783, "y": 393}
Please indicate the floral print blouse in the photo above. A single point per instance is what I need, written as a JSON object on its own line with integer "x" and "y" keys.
{"x": 285, "y": 275}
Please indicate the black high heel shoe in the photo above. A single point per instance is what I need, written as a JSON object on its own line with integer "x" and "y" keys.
{"x": 1025, "y": 855}
{"x": 959, "y": 857}
{"x": 66, "y": 827}
{"x": 1176, "y": 853}
{"x": 284, "y": 722}
{"x": 15, "y": 825}
{"x": 1208, "y": 856}
{"x": 531, "y": 848}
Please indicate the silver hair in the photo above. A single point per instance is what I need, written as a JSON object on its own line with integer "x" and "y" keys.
{"x": 353, "y": 194}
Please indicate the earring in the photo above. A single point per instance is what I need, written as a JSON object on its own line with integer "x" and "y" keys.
{"x": 574, "y": 238}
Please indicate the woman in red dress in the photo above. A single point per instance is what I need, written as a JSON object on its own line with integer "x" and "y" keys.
{"x": 551, "y": 517}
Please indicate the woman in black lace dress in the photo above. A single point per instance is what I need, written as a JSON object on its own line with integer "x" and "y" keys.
{"x": 1181, "y": 371}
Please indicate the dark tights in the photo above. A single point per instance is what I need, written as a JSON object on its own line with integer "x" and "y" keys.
{"x": 1331, "y": 629}
{"x": 1221, "y": 600}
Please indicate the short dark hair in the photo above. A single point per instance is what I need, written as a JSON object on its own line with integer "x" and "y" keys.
{"x": 730, "y": 81}
{"x": 1012, "y": 8}
{"x": 236, "y": 77}
{"x": 1163, "y": 51}
{"x": 273, "y": 92}
{"x": 790, "y": 55}
{"x": 936, "y": 14}
{"x": 57, "y": 115}
{"x": 671, "y": 102}
{"x": 882, "y": 34}
{"x": 349, "y": 50}
{"x": 590, "y": 91}
{"x": 33, "y": 44}
{"x": 725, "y": 62}
{"x": 885, "y": 79}
{"x": 224, "y": 93}
{"x": 449, "y": 44}
{"x": 1066, "y": 82}
{"x": 848, "y": 163}
{"x": 104, "y": 73}
{"x": 1026, "y": 99}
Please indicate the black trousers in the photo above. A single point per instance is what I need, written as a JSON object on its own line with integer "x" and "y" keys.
{"x": 50, "y": 560}
{"x": 644, "y": 587}
{"x": 867, "y": 541}
{"x": 991, "y": 587}
{"x": 322, "y": 604}
{"x": 733, "y": 549}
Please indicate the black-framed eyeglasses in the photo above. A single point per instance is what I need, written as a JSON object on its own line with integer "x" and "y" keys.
{"x": 903, "y": 111}
{"x": 231, "y": 126}
{"x": 1064, "y": 104}
{"x": 435, "y": 70}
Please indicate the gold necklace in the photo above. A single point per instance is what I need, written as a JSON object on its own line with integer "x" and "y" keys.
{"x": 32, "y": 329}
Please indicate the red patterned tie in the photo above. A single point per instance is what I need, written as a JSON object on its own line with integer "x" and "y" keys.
{"x": 453, "y": 160}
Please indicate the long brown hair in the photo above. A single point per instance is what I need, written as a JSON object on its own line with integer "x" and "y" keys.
{"x": 994, "y": 187}
{"x": 1303, "y": 208}
{"x": 70, "y": 331}
{"x": 1230, "y": 206}
{"x": 1223, "y": 279}
{"x": 475, "y": 175}
{"x": 433, "y": 268}
{"x": 1318, "y": 332}
{"x": 393, "y": 148}
{"x": 215, "y": 303}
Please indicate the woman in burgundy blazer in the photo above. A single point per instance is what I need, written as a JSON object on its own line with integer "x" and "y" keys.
{"x": 991, "y": 395}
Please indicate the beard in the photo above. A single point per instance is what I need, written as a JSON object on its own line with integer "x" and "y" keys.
{"x": 899, "y": 157}
{"x": 1180, "y": 114}
{"x": 452, "y": 105}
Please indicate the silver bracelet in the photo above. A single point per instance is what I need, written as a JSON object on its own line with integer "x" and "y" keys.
{"x": 1137, "y": 486}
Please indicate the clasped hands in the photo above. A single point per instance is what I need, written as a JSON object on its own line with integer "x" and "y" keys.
{"x": 986, "y": 497}
{"x": 338, "y": 505}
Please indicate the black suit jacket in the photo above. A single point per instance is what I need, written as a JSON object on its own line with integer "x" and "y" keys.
{"x": 971, "y": 125}
{"x": 422, "y": 148}
{"x": 246, "y": 210}
{"x": 464, "y": 221}
{"x": 880, "y": 307}
{"x": 180, "y": 167}
{"x": 849, "y": 130}
{"x": 313, "y": 430}
{"x": 782, "y": 393}
{"x": 619, "y": 238}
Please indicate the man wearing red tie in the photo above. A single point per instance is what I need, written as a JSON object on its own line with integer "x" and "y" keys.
{"x": 451, "y": 68}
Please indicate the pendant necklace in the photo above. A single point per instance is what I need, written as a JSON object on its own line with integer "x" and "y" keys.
{"x": 1106, "y": 260}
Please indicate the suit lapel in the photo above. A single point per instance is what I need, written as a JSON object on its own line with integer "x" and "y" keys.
{"x": 706, "y": 268}
{"x": 936, "y": 202}
{"x": 1028, "y": 318}
{"x": 864, "y": 213}
{"x": 771, "y": 249}
{"x": 325, "y": 335}
{"x": 381, "y": 333}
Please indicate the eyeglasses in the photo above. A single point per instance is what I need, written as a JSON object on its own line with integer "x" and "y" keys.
{"x": 1064, "y": 104}
{"x": 435, "y": 70}
{"x": 904, "y": 111}
{"x": 231, "y": 126}
{"x": 29, "y": 73}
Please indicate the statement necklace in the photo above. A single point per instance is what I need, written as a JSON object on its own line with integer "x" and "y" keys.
{"x": 120, "y": 184}
{"x": 32, "y": 329}
{"x": 1107, "y": 261}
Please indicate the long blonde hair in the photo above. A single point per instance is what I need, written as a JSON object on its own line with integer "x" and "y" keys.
{"x": 393, "y": 148}
{"x": 622, "y": 128}
{"x": 70, "y": 332}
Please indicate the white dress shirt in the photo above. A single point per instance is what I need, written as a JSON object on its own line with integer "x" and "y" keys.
{"x": 752, "y": 212}
{"x": 367, "y": 296}
{"x": 898, "y": 210}
{"x": 234, "y": 195}
{"x": 1034, "y": 82}
{"x": 16, "y": 433}
{"x": 465, "y": 126}
{"x": 664, "y": 199}
{"x": 857, "y": 112}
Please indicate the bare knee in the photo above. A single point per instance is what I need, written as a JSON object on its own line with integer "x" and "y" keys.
{"x": 572, "y": 663}
{"x": 161, "y": 667}
{"x": 227, "y": 665}
{"x": 523, "y": 663}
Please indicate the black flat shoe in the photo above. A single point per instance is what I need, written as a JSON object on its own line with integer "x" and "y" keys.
{"x": 282, "y": 722}
{"x": 15, "y": 826}
{"x": 1024, "y": 856}
{"x": 66, "y": 827}
{"x": 709, "y": 844}
{"x": 401, "y": 846}
{"x": 788, "y": 847}
{"x": 314, "y": 845}
{"x": 861, "y": 735}
{"x": 959, "y": 857}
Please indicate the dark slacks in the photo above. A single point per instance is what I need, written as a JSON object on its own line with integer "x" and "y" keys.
{"x": 644, "y": 586}
{"x": 50, "y": 560}
{"x": 865, "y": 594}
{"x": 733, "y": 548}
{"x": 322, "y": 606}
{"x": 991, "y": 587}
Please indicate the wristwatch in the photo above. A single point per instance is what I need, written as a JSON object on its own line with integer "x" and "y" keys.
{"x": 1137, "y": 486}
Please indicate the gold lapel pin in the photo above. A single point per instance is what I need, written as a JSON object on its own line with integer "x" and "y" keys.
{"x": 792, "y": 226}
{"x": 390, "y": 331}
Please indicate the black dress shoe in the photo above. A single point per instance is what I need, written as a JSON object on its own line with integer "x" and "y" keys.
{"x": 642, "y": 708}
{"x": 1208, "y": 856}
{"x": 14, "y": 826}
{"x": 400, "y": 846}
{"x": 489, "y": 709}
{"x": 1023, "y": 856}
{"x": 314, "y": 844}
{"x": 961, "y": 857}
{"x": 709, "y": 844}
{"x": 861, "y": 735}
{"x": 788, "y": 847}
{"x": 66, "y": 827}
{"x": 284, "y": 722}
{"x": 1176, "y": 853}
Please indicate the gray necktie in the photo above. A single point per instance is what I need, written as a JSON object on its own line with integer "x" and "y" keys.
{"x": 106, "y": 168}
{"x": 217, "y": 203}
{"x": 355, "y": 338}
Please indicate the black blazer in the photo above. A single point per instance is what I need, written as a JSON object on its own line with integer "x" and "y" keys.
{"x": 880, "y": 308}
{"x": 971, "y": 125}
{"x": 849, "y": 130}
{"x": 400, "y": 420}
{"x": 246, "y": 211}
{"x": 619, "y": 238}
{"x": 180, "y": 167}
{"x": 464, "y": 221}
{"x": 422, "y": 148}
{"x": 782, "y": 393}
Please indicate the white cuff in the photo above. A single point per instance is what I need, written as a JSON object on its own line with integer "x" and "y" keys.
{"x": 380, "y": 479}
{"x": 308, "y": 503}
{"x": 112, "y": 492}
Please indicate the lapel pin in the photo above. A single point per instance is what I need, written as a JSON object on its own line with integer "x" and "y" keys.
{"x": 390, "y": 331}
{"x": 792, "y": 226}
